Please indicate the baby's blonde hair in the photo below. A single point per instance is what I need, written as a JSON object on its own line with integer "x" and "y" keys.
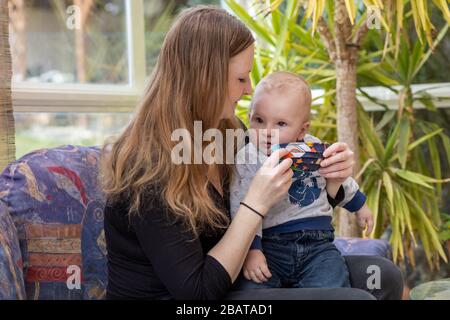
{"x": 283, "y": 80}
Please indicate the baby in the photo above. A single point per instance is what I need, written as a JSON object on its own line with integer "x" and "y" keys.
{"x": 294, "y": 247}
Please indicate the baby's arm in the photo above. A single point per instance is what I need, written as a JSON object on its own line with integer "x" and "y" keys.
{"x": 355, "y": 201}
{"x": 333, "y": 187}
{"x": 364, "y": 218}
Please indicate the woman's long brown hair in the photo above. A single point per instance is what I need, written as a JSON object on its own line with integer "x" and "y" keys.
{"x": 189, "y": 83}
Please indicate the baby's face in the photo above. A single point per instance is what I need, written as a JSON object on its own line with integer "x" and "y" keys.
{"x": 284, "y": 112}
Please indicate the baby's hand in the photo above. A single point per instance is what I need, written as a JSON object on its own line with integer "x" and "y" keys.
{"x": 255, "y": 267}
{"x": 364, "y": 217}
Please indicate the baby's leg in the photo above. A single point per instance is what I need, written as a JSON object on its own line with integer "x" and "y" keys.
{"x": 324, "y": 266}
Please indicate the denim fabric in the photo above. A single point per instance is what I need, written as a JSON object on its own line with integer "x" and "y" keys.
{"x": 304, "y": 259}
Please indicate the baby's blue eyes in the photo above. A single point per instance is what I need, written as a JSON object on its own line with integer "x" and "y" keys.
{"x": 282, "y": 123}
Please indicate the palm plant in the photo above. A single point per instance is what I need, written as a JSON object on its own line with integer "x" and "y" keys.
{"x": 391, "y": 176}
{"x": 342, "y": 26}
{"x": 401, "y": 158}
{"x": 7, "y": 132}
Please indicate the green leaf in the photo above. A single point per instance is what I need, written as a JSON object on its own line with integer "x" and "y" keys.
{"x": 414, "y": 60}
{"x": 369, "y": 134}
{"x": 446, "y": 142}
{"x": 391, "y": 143}
{"x": 412, "y": 177}
{"x": 387, "y": 117}
{"x": 438, "y": 39}
{"x": 404, "y": 140}
{"x": 436, "y": 164}
{"x": 373, "y": 203}
{"x": 263, "y": 33}
{"x": 406, "y": 213}
{"x": 388, "y": 186}
{"x": 427, "y": 100}
{"x": 423, "y": 139}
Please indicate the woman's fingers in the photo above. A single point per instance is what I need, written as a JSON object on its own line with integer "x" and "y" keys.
{"x": 341, "y": 156}
{"x": 343, "y": 174}
{"x": 284, "y": 166}
{"x": 337, "y": 167}
{"x": 274, "y": 158}
{"x": 271, "y": 182}
{"x": 334, "y": 148}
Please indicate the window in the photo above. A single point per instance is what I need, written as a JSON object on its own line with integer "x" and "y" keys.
{"x": 77, "y": 41}
{"x": 38, "y": 130}
{"x": 80, "y": 66}
{"x": 79, "y": 69}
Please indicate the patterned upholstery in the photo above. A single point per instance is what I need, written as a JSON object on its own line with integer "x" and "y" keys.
{"x": 363, "y": 247}
{"x": 11, "y": 275}
{"x": 53, "y": 198}
{"x": 55, "y": 202}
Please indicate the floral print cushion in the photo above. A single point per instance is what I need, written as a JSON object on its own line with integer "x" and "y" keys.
{"x": 54, "y": 199}
{"x": 11, "y": 275}
{"x": 359, "y": 246}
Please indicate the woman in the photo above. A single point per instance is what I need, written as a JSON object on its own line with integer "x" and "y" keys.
{"x": 167, "y": 225}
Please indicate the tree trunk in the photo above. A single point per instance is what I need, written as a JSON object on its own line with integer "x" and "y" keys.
{"x": 347, "y": 127}
{"x": 343, "y": 48}
{"x": 7, "y": 130}
{"x": 80, "y": 40}
{"x": 19, "y": 45}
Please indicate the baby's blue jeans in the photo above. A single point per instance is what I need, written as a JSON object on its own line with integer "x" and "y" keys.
{"x": 303, "y": 259}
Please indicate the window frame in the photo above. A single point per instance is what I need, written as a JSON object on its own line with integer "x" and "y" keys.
{"x": 390, "y": 99}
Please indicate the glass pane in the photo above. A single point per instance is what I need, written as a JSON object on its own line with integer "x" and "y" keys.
{"x": 46, "y": 130}
{"x": 77, "y": 41}
{"x": 159, "y": 15}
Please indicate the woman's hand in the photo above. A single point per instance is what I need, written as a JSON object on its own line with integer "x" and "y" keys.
{"x": 271, "y": 182}
{"x": 338, "y": 163}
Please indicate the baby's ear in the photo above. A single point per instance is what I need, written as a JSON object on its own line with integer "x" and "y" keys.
{"x": 303, "y": 131}
{"x": 306, "y": 126}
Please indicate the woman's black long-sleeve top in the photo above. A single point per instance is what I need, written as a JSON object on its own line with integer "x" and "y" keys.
{"x": 152, "y": 256}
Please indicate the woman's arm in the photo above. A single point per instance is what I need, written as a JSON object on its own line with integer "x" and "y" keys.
{"x": 270, "y": 185}
{"x": 176, "y": 256}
